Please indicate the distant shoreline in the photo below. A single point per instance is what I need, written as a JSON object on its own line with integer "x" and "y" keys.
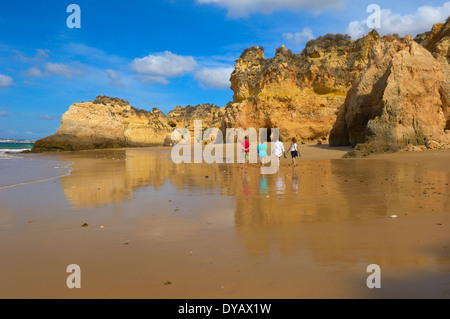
{"x": 308, "y": 151}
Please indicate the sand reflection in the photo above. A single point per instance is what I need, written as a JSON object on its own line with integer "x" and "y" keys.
{"x": 105, "y": 177}
{"x": 218, "y": 231}
{"x": 323, "y": 206}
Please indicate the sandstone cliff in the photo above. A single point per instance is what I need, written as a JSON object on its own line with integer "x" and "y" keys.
{"x": 185, "y": 116}
{"x": 298, "y": 93}
{"x": 437, "y": 41}
{"x": 376, "y": 93}
{"x": 112, "y": 123}
{"x": 400, "y": 98}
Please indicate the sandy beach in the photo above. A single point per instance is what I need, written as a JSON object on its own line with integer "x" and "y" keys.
{"x": 156, "y": 229}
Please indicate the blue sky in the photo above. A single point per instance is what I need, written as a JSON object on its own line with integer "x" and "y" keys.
{"x": 160, "y": 53}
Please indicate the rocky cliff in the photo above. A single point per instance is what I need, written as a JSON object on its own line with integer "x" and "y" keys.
{"x": 376, "y": 93}
{"x": 399, "y": 99}
{"x": 112, "y": 123}
{"x": 298, "y": 93}
{"x": 437, "y": 41}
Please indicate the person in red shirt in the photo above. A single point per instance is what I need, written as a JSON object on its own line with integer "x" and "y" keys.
{"x": 245, "y": 152}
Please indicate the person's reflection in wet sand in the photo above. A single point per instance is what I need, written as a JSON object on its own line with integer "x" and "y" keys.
{"x": 263, "y": 187}
{"x": 279, "y": 184}
{"x": 294, "y": 181}
{"x": 246, "y": 187}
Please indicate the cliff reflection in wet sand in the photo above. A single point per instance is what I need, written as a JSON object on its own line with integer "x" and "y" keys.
{"x": 337, "y": 210}
{"x": 111, "y": 176}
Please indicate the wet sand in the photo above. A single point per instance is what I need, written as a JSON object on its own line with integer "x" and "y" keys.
{"x": 156, "y": 229}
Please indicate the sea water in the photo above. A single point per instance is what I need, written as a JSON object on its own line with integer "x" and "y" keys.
{"x": 7, "y": 148}
{"x": 17, "y": 168}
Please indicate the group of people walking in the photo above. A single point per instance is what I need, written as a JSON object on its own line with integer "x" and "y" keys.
{"x": 278, "y": 150}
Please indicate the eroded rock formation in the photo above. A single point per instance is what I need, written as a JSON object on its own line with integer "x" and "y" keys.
{"x": 377, "y": 94}
{"x": 112, "y": 123}
{"x": 298, "y": 93}
{"x": 400, "y": 98}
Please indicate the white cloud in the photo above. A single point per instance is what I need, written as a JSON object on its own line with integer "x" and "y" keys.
{"x": 114, "y": 78}
{"x": 80, "y": 49}
{"x": 157, "y": 68}
{"x": 58, "y": 69}
{"x": 5, "y": 80}
{"x": 33, "y": 72}
{"x": 214, "y": 78}
{"x": 422, "y": 20}
{"x": 91, "y": 54}
{"x": 243, "y": 8}
{"x": 47, "y": 117}
{"x": 4, "y": 113}
{"x": 153, "y": 79}
{"x": 299, "y": 37}
{"x": 41, "y": 54}
{"x": 52, "y": 69}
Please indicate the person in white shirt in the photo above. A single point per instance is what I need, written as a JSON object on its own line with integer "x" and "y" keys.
{"x": 278, "y": 150}
{"x": 294, "y": 150}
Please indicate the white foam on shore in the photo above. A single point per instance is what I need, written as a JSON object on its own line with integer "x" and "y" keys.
{"x": 25, "y": 170}
{"x": 37, "y": 181}
{"x": 10, "y": 153}
{"x": 14, "y": 150}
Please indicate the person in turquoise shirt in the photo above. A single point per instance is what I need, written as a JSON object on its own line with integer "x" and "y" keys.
{"x": 262, "y": 153}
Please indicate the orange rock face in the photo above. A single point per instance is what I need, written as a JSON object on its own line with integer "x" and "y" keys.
{"x": 112, "y": 123}
{"x": 400, "y": 98}
{"x": 298, "y": 93}
{"x": 376, "y": 94}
